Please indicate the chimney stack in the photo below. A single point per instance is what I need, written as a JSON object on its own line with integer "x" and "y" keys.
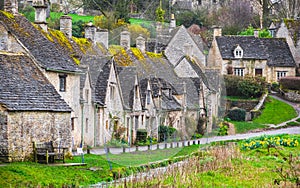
{"x": 40, "y": 13}
{"x": 11, "y": 6}
{"x": 89, "y": 31}
{"x": 256, "y": 33}
{"x": 141, "y": 43}
{"x": 66, "y": 25}
{"x": 101, "y": 36}
{"x": 125, "y": 39}
{"x": 217, "y": 31}
{"x": 172, "y": 22}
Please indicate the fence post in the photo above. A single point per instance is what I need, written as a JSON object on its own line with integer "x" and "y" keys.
{"x": 157, "y": 145}
{"x": 148, "y": 147}
{"x": 136, "y": 148}
{"x": 124, "y": 149}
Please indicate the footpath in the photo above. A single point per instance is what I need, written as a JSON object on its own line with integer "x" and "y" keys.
{"x": 206, "y": 140}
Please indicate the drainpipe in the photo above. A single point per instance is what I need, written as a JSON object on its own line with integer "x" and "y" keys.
{"x": 95, "y": 123}
{"x": 82, "y": 118}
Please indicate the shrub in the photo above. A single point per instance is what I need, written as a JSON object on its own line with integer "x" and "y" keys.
{"x": 223, "y": 130}
{"x": 246, "y": 87}
{"x": 290, "y": 83}
{"x": 164, "y": 132}
{"x": 237, "y": 114}
{"x": 293, "y": 123}
{"x": 141, "y": 135}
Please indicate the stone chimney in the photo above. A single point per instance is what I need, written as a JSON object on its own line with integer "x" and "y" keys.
{"x": 11, "y": 6}
{"x": 256, "y": 33}
{"x": 101, "y": 35}
{"x": 66, "y": 25}
{"x": 141, "y": 43}
{"x": 217, "y": 31}
{"x": 172, "y": 22}
{"x": 40, "y": 13}
{"x": 125, "y": 39}
{"x": 89, "y": 31}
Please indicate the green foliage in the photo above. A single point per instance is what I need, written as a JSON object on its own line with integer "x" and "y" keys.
{"x": 165, "y": 132}
{"x": 141, "y": 135}
{"x": 269, "y": 141}
{"x": 160, "y": 14}
{"x": 237, "y": 114}
{"x": 187, "y": 18}
{"x": 243, "y": 127}
{"x": 264, "y": 33}
{"x": 78, "y": 29}
{"x": 137, "y": 30}
{"x": 275, "y": 112}
{"x": 223, "y": 130}
{"x": 29, "y": 13}
{"x": 247, "y": 87}
{"x": 293, "y": 123}
{"x": 290, "y": 83}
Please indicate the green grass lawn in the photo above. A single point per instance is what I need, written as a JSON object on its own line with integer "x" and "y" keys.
{"x": 274, "y": 112}
{"x": 28, "y": 174}
{"x": 252, "y": 167}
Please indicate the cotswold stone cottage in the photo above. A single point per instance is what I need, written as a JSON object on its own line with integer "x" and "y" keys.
{"x": 30, "y": 108}
{"x": 249, "y": 55}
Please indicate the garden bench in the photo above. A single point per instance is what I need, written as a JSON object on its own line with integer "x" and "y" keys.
{"x": 45, "y": 152}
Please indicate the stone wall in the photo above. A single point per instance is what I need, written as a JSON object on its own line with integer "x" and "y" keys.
{"x": 23, "y": 128}
{"x": 292, "y": 96}
{"x": 3, "y": 137}
{"x": 248, "y": 105}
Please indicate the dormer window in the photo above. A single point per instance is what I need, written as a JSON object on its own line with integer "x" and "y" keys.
{"x": 238, "y": 52}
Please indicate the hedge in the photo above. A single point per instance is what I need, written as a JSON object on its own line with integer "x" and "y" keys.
{"x": 290, "y": 83}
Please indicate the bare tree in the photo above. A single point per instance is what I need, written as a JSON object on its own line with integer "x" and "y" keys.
{"x": 287, "y": 8}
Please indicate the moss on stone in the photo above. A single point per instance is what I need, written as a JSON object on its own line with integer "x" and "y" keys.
{"x": 83, "y": 44}
{"x": 8, "y": 15}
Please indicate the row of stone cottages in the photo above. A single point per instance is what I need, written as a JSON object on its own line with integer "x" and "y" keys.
{"x": 45, "y": 95}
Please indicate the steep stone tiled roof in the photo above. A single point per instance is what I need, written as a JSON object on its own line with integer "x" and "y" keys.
{"x": 275, "y": 50}
{"x": 126, "y": 77}
{"x": 23, "y": 87}
{"x": 48, "y": 55}
{"x": 95, "y": 65}
{"x": 102, "y": 83}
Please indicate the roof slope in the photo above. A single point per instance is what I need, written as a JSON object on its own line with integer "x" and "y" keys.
{"x": 102, "y": 83}
{"x": 23, "y": 87}
{"x": 44, "y": 51}
{"x": 275, "y": 50}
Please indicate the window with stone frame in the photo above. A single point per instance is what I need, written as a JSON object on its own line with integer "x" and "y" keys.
{"x": 87, "y": 125}
{"x": 280, "y": 74}
{"x": 112, "y": 92}
{"x": 238, "y": 52}
{"x": 72, "y": 123}
{"x": 239, "y": 71}
{"x": 62, "y": 83}
{"x": 148, "y": 96}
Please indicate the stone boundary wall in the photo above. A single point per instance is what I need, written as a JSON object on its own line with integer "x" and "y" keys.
{"x": 293, "y": 96}
{"x": 23, "y": 128}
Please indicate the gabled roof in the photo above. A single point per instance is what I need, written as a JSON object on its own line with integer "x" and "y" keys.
{"x": 95, "y": 65}
{"x": 275, "y": 50}
{"x": 126, "y": 77}
{"x": 23, "y": 87}
{"x": 102, "y": 83}
{"x": 48, "y": 55}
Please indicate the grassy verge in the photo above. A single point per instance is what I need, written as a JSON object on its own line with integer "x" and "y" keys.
{"x": 274, "y": 112}
{"x": 236, "y": 167}
{"x": 28, "y": 174}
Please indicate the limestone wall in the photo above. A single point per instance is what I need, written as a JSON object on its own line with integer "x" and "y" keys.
{"x": 23, "y": 128}
{"x": 72, "y": 97}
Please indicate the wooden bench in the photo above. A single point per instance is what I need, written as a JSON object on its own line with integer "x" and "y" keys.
{"x": 45, "y": 152}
